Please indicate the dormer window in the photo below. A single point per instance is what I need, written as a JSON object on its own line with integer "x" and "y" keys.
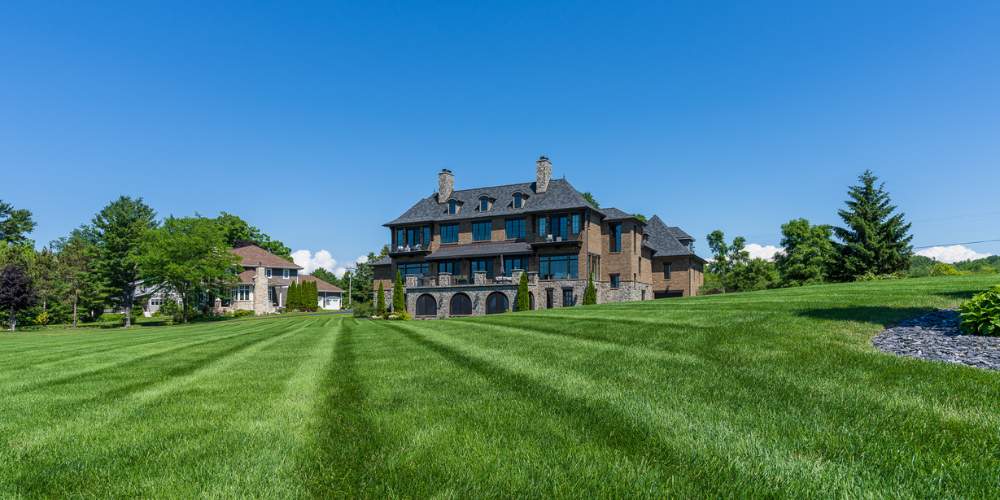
{"x": 452, "y": 207}
{"x": 484, "y": 204}
{"x": 518, "y": 200}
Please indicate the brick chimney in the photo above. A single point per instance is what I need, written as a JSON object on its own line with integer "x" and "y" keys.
{"x": 543, "y": 173}
{"x": 446, "y": 185}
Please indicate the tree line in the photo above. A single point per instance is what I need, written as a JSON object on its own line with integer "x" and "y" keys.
{"x": 872, "y": 243}
{"x": 122, "y": 251}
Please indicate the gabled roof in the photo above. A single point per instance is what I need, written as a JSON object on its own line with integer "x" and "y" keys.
{"x": 679, "y": 233}
{"x": 662, "y": 241}
{"x": 560, "y": 195}
{"x": 253, "y": 256}
{"x": 321, "y": 285}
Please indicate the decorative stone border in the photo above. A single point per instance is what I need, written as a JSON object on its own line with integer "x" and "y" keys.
{"x": 937, "y": 337}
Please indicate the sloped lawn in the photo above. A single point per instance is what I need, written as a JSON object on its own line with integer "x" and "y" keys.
{"x": 768, "y": 393}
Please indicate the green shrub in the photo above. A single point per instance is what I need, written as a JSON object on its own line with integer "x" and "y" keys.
{"x": 399, "y": 316}
{"x": 523, "y": 301}
{"x": 171, "y": 309}
{"x": 398, "y": 295}
{"x": 242, "y": 313}
{"x": 941, "y": 269}
{"x": 380, "y": 301}
{"x": 590, "y": 294}
{"x": 42, "y": 319}
{"x": 981, "y": 313}
{"x": 870, "y": 276}
{"x": 362, "y": 310}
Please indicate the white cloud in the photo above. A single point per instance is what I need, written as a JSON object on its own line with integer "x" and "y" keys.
{"x": 340, "y": 271}
{"x": 309, "y": 262}
{"x": 951, "y": 254}
{"x": 361, "y": 260}
{"x": 766, "y": 252}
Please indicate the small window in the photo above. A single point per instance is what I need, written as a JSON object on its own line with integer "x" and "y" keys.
{"x": 616, "y": 281}
{"x": 576, "y": 223}
{"x": 268, "y": 272}
{"x": 542, "y": 230}
{"x": 666, "y": 270}
{"x": 284, "y": 273}
{"x": 518, "y": 200}
{"x": 484, "y": 204}
{"x": 452, "y": 207}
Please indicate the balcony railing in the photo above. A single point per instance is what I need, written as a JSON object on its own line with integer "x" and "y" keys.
{"x": 435, "y": 281}
{"x": 554, "y": 239}
{"x": 409, "y": 250}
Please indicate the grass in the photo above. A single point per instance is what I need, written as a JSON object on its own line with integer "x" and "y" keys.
{"x": 774, "y": 393}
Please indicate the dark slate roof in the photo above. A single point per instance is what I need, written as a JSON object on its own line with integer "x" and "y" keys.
{"x": 679, "y": 233}
{"x": 616, "y": 214}
{"x": 561, "y": 195}
{"x": 662, "y": 240}
{"x": 384, "y": 261}
{"x": 485, "y": 249}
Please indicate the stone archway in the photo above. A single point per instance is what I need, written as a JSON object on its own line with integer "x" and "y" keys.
{"x": 426, "y": 305}
{"x": 497, "y": 302}
{"x": 460, "y": 305}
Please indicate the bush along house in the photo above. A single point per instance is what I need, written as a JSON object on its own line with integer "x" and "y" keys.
{"x": 463, "y": 252}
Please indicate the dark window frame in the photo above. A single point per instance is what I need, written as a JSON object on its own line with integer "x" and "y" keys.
{"x": 488, "y": 224}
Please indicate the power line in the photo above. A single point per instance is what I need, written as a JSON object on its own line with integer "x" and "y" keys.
{"x": 966, "y": 243}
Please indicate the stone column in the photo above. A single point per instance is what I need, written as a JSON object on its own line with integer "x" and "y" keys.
{"x": 532, "y": 277}
{"x": 444, "y": 279}
{"x": 260, "y": 296}
{"x": 411, "y": 280}
{"x": 480, "y": 277}
{"x": 515, "y": 276}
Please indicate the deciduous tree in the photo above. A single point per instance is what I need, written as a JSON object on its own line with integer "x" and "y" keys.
{"x": 189, "y": 256}
{"x": 237, "y": 231}
{"x": 808, "y": 254}
{"x": 16, "y": 292}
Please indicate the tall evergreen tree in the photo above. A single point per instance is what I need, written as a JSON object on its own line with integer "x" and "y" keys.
{"x": 17, "y": 292}
{"x": 590, "y": 293}
{"x": 875, "y": 238}
{"x": 292, "y": 300}
{"x": 398, "y": 296}
{"x": 808, "y": 254}
{"x": 75, "y": 256}
{"x": 380, "y": 301}
{"x": 15, "y": 224}
{"x": 523, "y": 300}
{"x": 120, "y": 229}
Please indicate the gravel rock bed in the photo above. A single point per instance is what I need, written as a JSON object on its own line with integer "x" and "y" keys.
{"x": 936, "y": 336}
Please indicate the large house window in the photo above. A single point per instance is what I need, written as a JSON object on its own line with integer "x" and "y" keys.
{"x": 449, "y": 233}
{"x": 284, "y": 273}
{"x": 518, "y": 200}
{"x": 242, "y": 292}
{"x": 515, "y": 228}
{"x": 558, "y": 266}
{"x": 452, "y": 207}
{"x": 576, "y": 223}
{"x": 560, "y": 226}
{"x": 616, "y": 237}
{"x": 413, "y": 236}
{"x": 400, "y": 237}
{"x": 481, "y": 231}
{"x": 542, "y": 230}
{"x": 512, "y": 263}
{"x": 484, "y": 204}
{"x": 483, "y": 265}
{"x": 616, "y": 280}
{"x": 413, "y": 268}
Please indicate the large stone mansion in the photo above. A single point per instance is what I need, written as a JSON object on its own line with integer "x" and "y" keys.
{"x": 463, "y": 252}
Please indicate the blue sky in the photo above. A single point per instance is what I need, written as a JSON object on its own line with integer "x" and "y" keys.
{"x": 320, "y": 121}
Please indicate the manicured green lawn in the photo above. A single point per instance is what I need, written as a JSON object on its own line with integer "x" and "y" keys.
{"x": 768, "y": 393}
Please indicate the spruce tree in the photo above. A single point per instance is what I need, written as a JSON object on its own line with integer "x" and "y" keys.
{"x": 398, "y": 299}
{"x": 312, "y": 297}
{"x": 590, "y": 294}
{"x": 523, "y": 300}
{"x": 380, "y": 301}
{"x": 875, "y": 239}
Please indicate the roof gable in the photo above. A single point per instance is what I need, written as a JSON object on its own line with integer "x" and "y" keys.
{"x": 253, "y": 256}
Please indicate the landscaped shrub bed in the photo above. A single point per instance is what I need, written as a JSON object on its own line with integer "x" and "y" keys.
{"x": 981, "y": 313}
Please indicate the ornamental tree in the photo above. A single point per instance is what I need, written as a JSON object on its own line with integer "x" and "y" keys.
{"x": 17, "y": 292}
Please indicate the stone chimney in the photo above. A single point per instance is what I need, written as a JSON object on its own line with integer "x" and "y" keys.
{"x": 543, "y": 173}
{"x": 446, "y": 185}
{"x": 261, "y": 300}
